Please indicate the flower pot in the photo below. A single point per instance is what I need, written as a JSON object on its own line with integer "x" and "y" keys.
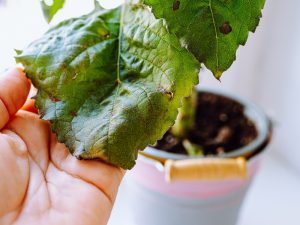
{"x": 217, "y": 201}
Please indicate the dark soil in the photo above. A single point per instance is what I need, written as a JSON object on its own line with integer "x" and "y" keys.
{"x": 221, "y": 126}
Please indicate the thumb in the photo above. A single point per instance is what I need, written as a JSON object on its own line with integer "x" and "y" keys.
{"x": 14, "y": 88}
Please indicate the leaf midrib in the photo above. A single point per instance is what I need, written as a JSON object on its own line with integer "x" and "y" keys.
{"x": 118, "y": 80}
{"x": 217, "y": 37}
{"x": 119, "y": 43}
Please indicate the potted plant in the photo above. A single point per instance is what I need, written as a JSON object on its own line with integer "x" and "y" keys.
{"x": 203, "y": 177}
{"x": 111, "y": 83}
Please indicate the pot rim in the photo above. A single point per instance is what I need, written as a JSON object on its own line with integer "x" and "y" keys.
{"x": 252, "y": 111}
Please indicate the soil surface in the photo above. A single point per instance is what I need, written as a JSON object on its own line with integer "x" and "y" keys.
{"x": 221, "y": 126}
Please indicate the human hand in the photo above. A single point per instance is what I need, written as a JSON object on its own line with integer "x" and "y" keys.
{"x": 40, "y": 182}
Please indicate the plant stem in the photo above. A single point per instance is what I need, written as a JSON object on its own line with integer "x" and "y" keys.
{"x": 186, "y": 117}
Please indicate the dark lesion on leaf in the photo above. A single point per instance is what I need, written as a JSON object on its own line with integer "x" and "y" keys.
{"x": 168, "y": 93}
{"x": 225, "y": 28}
{"x": 53, "y": 99}
{"x": 176, "y": 5}
{"x": 74, "y": 114}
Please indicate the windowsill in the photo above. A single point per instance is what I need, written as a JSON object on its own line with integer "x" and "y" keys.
{"x": 273, "y": 198}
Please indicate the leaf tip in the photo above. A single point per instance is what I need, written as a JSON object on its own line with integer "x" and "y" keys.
{"x": 49, "y": 10}
{"x": 218, "y": 74}
{"x": 97, "y": 5}
{"x": 18, "y": 52}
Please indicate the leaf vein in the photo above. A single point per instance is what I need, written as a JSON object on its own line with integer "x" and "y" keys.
{"x": 217, "y": 37}
{"x": 154, "y": 65}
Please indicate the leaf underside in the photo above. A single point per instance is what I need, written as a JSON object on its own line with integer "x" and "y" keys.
{"x": 211, "y": 29}
{"x": 110, "y": 82}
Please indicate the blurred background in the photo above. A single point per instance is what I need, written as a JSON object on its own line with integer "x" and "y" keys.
{"x": 266, "y": 71}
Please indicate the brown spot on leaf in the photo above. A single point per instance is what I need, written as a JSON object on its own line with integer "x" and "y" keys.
{"x": 74, "y": 114}
{"x": 53, "y": 99}
{"x": 225, "y": 28}
{"x": 176, "y": 5}
{"x": 168, "y": 93}
{"x": 63, "y": 66}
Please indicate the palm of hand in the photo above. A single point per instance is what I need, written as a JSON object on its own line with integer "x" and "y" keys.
{"x": 41, "y": 183}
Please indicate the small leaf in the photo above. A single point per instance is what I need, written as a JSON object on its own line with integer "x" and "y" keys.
{"x": 49, "y": 11}
{"x": 211, "y": 29}
{"x": 110, "y": 82}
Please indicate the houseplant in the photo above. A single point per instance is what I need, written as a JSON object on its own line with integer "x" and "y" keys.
{"x": 111, "y": 82}
{"x": 152, "y": 65}
{"x": 203, "y": 189}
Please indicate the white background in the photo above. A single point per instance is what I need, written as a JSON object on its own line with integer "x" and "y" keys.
{"x": 267, "y": 71}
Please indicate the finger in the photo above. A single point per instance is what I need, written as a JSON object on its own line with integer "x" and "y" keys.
{"x": 14, "y": 172}
{"x": 30, "y": 102}
{"x": 105, "y": 177}
{"x": 14, "y": 88}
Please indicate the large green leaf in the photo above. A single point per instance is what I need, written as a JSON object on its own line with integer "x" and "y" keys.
{"x": 51, "y": 9}
{"x": 211, "y": 29}
{"x": 110, "y": 82}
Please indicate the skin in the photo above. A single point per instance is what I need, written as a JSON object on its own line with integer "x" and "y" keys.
{"x": 40, "y": 182}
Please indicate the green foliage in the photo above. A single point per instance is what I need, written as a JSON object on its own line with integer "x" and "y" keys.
{"x": 110, "y": 82}
{"x": 211, "y": 29}
{"x": 50, "y": 10}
